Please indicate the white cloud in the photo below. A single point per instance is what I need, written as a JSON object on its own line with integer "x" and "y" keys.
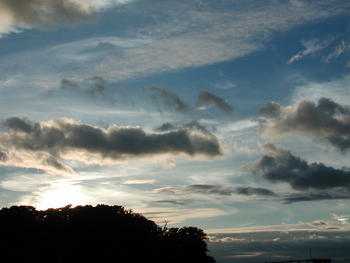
{"x": 336, "y": 89}
{"x": 144, "y": 181}
{"x": 188, "y": 38}
{"x": 311, "y": 46}
{"x": 340, "y": 49}
{"x": 173, "y": 216}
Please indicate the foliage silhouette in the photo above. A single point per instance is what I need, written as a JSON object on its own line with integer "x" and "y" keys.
{"x": 95, "y": 234}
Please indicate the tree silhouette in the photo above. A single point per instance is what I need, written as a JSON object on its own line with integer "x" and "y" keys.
{"x": 95, "y": 234}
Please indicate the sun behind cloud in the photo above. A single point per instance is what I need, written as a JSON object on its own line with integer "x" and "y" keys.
{"x": 61, "y": 195}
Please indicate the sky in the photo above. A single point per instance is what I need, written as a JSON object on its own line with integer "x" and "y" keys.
{"x": 229, "y": 115}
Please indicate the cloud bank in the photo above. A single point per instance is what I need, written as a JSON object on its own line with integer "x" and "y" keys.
{"x": 44, "y": 145}
{"x": 325, "y": 120}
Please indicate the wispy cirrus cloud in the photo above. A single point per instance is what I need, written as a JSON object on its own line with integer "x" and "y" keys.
{"x": 339, "y": 50}
{"x": 182, "y": 36}
{"x": 311, "y": 46}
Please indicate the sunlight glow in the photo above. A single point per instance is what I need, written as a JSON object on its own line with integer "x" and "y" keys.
{"x": 61, "y": 195}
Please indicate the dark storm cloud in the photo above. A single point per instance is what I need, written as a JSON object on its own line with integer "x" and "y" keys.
{"x": 168, "y": 99}
{"x": 44, "y": 14}
{"x": 216, "y": 189}
{"x": 280, "y": 165}
{"x": 206, "y": 98}
{"x": 324, "y": 120}
{"x": 65, "y": 137}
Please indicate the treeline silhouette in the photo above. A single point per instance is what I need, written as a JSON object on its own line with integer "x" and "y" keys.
{"x": 95, "y": 234}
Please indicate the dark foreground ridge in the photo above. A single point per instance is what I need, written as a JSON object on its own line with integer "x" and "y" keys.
{"x": 95, "y": 234}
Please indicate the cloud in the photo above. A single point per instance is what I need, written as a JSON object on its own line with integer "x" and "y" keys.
{"x": 168, "y": 99}
{"x": 172, "y": 216}
{"x": 318, "y": 223}
{"x": 216, "y": 190}
{"x": 206, "y": 98}
{"x": 340, "y": 49}
{"x": 180, "y": 36}
{"x": 174, "y": 202}
{"x": 93, "y": 86}
{"x": 315, "y": 196}
{"x": 3, "y": 156}
{"x": 325, "y": 120}
{"x": 48, "y": 14}
{"x": 279, "y": 246}
{"x": 144, "y": 181}
{"x": 280, "y": 165}
{"x": 44, "y": 145}
{"x": 254, "y": 191}
{"x": 311, "y": 46}
{"x": 195, "y": 125}
{"x": 341, "y": 219}
{"x": 335, "y": 89}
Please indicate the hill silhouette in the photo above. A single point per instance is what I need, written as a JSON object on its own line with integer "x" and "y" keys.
{"x": 95, "y": 234}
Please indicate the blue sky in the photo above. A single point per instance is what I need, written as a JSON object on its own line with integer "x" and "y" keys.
{"x": 232, "y": 116}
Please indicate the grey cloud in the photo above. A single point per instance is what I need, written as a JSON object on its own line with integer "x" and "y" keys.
{"x": 174, "y": 202}
{"x": 56, "y": 164}
{"x": 324, "y": 120}
{"x": 271, "y": 110}
{"x": 44, "y": 14}
{"x": 165, "y": 127}
{"x": 169, "y": 99}
{"x": 196, "y": 125}
{"x": 49, "y": 14}
{"x": 93, "y": 86}
{"x": 111, "y": 49}
{"x": 314, "y": 196}
{"x": 66, "y": 138}
{"x": 206, "y": 98}
{"x": 3, "y": 156}
{"x": 280, "y": 165}
{"x": 216, "y": 189}
{"x": 254, "y": 191}
{"x": 17, "y": 124}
